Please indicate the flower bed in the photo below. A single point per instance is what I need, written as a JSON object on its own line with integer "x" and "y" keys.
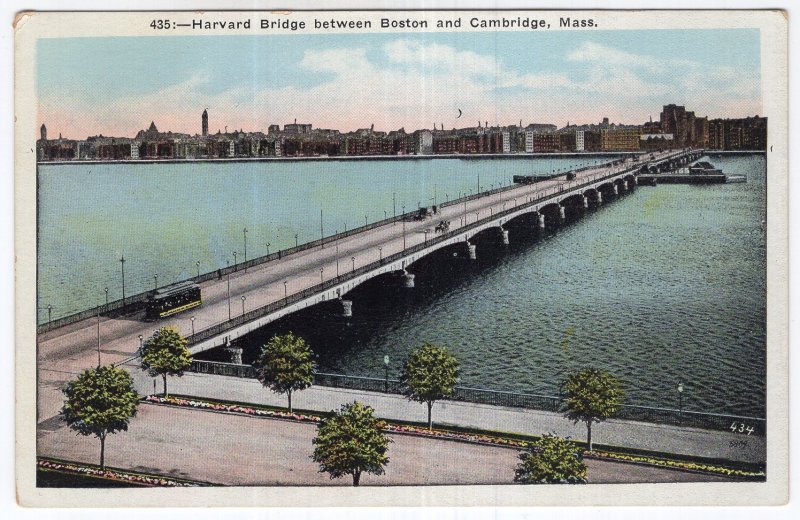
{"x": 674, "y": 464}
{"x": 115, "y": 475}
{"x": 458, "y": 436}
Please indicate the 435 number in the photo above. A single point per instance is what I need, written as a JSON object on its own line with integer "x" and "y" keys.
{"x": 161, "y": 24}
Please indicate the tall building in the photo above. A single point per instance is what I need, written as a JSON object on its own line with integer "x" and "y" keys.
{"x": 43, "y": 131}
{"x": 205, "y": 122}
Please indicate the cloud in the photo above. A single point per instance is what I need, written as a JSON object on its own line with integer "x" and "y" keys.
{"x": 411, "y": 84}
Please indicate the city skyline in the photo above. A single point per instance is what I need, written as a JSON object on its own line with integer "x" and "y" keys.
{"x": 412, "y": 82}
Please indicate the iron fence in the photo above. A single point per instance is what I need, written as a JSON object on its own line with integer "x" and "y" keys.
{"x": 511, "y": 399}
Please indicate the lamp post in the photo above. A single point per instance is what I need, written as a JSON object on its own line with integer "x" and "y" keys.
{"x": 366, "y": 222}
{"x": 245, "y": 245}
{"x": 380, "y": 255}
{"x": 229, "y": 295}
{"x": 49, "y": 313}
{"x": 141, "y": 344}
{"x": 337, "y": 253}
{"x": 426, "y": 236}
{"x": 321, "y": 231}
{"x": 295, "y": 240}
{"x": 155, "y": 282}
{"x": 394, "y": 205}
{"x": 353, "y": 259}
{"x": 321, "y": 279}
{"x": 192, "y": 319}
{"x": 122, "y": 262}
{"x": 267, "y": 248}
{"x": 386, "y": 380}
{"x": 404, "y": 228}
{"x": 106, "y": 290}
{"x": 285, "y": 290}
{"x": 243, "y": 299}
{"x": 680, "y": 400}
{"x": 197, "y": 264}
{"x": 235, "y": 263}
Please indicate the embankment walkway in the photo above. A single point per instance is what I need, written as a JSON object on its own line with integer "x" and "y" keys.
{"x": 678, "y": 440}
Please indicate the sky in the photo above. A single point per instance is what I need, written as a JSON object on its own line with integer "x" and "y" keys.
{"x": 117, "y": 86}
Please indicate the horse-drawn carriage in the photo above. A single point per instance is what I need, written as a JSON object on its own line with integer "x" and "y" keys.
{"x": 443, "y": 226}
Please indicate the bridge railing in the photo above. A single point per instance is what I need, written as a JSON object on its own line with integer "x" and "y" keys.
{"x": 135, "y": 302}
{"x": 511, "y": 399}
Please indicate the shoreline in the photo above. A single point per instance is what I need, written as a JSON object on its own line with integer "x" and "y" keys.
{"x": 471, "y": 157}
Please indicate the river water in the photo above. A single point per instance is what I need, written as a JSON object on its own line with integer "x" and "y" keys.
{"x": 664, "y": 285}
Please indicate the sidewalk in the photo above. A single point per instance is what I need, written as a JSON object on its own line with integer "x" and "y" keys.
{"x": 630, "y": 434}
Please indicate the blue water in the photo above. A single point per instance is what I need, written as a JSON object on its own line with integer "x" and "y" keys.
{"x": 166, "y": 217}
{"x": 664, "y": 285}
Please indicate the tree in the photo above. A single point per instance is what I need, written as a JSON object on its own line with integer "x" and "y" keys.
{"x": 592, "y": 395}
{"x": 100, "y": 401}
{"x": 430, "y": 374}
{"x": 165, "y": 354}
{"x": 286, "y": 365}
{"x": 552, "y": 460}
{"x": 351, "y": 442}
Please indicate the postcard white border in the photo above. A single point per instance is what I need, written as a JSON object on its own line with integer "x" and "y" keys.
{"x": 774, "y": 78}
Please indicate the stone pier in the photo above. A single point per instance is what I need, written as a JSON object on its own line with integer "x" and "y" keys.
{"x": 408, "y": 279}
{"x": 471, "y": 251}
{"x": 504, "y": 236}
{"x": 347, "y": 308}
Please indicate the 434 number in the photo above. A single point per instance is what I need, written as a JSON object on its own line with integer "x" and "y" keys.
{"x": 740, "y": 427}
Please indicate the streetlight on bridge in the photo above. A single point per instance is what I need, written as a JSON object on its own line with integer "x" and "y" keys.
{"x": 380, "y": 255}
{"x": 680, "y": 400}
{"x": 285, "y": 290}
{"x": 404, "y": 228}
{"x": 229, "y": 290}
{"x": 353, "y": 259}
{"x": 155, "y": 282}
{"x": 268, "y": 248}
{"x": 192, "y": 319}
{"x": 122, "y": 262}
{"x": 106, "y": 290}
{"x": 245, "y": 246}
{"x": 197, "y": 264}
{"x": 235, "y": 264}
{"x": 336, "y": 244}
{"x": 243, "y": 299}
{"x": 321, "y": 279}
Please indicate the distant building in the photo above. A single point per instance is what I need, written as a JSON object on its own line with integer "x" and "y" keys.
{"x": 749, "y": 133}
{"x": 579, "y": 140}
{"x": 656, "y": 142}
{"x": 424, "y": 142}
{"x": 621, "y": 138}
{"x": 205, "y": 122}
{"x": 297, "y": 129}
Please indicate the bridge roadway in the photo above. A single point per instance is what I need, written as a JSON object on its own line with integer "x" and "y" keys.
{"x": 65, "y": 351}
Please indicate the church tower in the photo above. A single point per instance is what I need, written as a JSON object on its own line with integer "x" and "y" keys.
{"x": 205, "y": 122}
{"x": 43, "y": 131}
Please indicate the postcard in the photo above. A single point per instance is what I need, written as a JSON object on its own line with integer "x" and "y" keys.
{"x": 489, "y": 258}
